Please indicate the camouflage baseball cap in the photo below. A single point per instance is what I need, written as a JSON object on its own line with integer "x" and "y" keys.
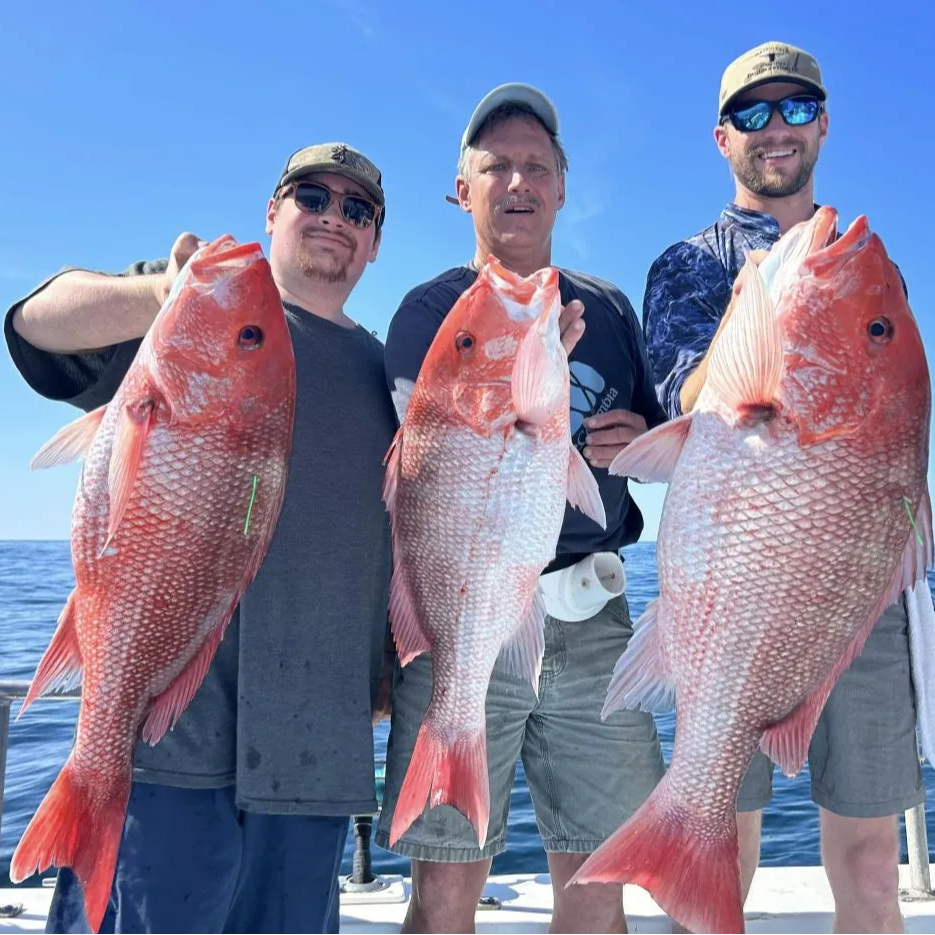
{"x": 771, "y": 61}
{"x": 340, "y": 159}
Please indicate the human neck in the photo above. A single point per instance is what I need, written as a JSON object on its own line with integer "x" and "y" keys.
{"x": 326, "y": 300}
{"x": 788, "y": 210}
{"x": 524, "y": 264}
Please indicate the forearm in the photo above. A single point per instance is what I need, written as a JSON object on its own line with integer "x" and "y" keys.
{"x": 81, "y": 311}
{"x": 691, "y": 388}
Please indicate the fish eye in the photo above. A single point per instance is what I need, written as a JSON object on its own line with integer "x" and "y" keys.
{"x": 251, "y": 337}
{"x": 880, "y": 330}
{"x": 464, "y": 342}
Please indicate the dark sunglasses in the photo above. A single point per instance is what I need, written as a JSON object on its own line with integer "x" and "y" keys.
{"x": 796, "y": 111}
{"x": 314, "y": 198}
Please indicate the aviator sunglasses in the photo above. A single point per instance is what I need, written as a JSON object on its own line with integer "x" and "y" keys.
{"x": 314, "y": 198}
{"x": 796, "y": 111}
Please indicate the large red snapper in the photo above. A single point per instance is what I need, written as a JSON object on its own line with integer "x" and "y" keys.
{"x": 179, "y": 496}
{"x": 797, "y": 511}
{"x": 476, "y": 485}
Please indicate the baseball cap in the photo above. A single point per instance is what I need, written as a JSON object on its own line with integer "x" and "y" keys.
{"x": 771, "y": 61}
{"x": 340, "y": 159}
{"x": 514, "y": 92}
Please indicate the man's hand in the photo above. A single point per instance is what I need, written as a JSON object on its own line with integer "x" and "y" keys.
{"x": 183, "y": 248}
{"x": 571, "y": 324}
{"x": 609, "y": 433}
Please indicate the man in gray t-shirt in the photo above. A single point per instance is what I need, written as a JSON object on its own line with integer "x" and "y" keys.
{"x": 237, "y": 819}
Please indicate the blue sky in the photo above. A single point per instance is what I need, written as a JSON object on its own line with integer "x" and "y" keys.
{"x": 125, "y": 124}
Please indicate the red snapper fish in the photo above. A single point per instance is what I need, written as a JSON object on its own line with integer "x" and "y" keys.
{"x": 476, "y": 484}
{"x": 797, "y": 512}
{"x": 178, "y": 498}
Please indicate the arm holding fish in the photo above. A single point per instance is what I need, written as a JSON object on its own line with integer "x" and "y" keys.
{"x": 87, "y": 377}
{"x": 79, "y": 311}
{"x": 691, "y": 388}
{"x": 686, "y": 293}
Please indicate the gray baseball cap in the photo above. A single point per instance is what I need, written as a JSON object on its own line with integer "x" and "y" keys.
{"x": 512, "y": 93}
{"x": 515, "y": 92}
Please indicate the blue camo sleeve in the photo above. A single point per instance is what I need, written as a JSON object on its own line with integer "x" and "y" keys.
{"x": 687, "y": 292}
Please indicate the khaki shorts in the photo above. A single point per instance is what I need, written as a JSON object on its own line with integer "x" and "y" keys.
{"x": 585, "y": 776}
{"x": 863, "y": 759}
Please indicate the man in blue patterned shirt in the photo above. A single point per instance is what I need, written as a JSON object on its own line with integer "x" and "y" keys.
{"x": 863, "y": 761}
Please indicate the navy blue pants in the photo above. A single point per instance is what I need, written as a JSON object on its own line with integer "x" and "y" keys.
{"x": 190, "y": 861}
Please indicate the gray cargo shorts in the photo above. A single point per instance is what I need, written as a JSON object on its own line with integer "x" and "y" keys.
{"x": 863, "y": 759}
{"x": 585, "y": 776}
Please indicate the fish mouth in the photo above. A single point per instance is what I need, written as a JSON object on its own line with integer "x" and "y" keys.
{"x": 225, "y": 253}
{"x": 834, "y": 253}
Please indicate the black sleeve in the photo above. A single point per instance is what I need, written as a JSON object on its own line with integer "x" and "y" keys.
{"x": 644, "y": 402}
{"x": 85, "y": 380}
{"x": 411, "y": 332}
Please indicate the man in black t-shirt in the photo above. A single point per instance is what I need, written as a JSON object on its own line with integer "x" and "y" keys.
{"x": 585, "y": 776}
{"x": 237, "y": 818}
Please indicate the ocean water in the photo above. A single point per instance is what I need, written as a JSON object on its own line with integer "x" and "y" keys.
{"x": 35, "y": 579}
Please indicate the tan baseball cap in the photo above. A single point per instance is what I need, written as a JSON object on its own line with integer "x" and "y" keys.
{"x": 771, "y": 61}
{"x": 340, "y": 159}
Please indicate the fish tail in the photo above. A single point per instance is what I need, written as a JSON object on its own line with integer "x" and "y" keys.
{"x": 694, "y": 877}
{"x": 445, "y": 773}
{"x": 79, "y": 827}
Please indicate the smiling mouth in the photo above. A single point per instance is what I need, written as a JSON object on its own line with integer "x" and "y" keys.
{"x": 519, "y": 209}
{"x": 330, "y": 238}
{"x": 777, "y": 153}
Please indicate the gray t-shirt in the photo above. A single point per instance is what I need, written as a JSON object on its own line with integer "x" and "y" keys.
{"x": 285, "y": 709}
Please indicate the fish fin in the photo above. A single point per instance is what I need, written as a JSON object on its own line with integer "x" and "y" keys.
{"x": 534, "y": 383}
{"x": 391, "y": 461}
{"x": 70, "y": 442}
{"x": 694, "y": 878}
{"x": 583, "y": 491}
{"x": 786, "y": 742}
{"x": 78, "y": 826}
{"x": 445, "y": 774}
{"x": 521, "y": 654}
{"x": 169, "y": 706}
{"x": 652, "y": 457}
{"x": 60, "y": 666}
{"x": 410, "y": 639}
{"x": 746, "y": 361}
{"x": 641, "y": 676}
{"x": 921, "y": 615}
{"x": 401, "y": 394}
{"x": 130, "y": 437}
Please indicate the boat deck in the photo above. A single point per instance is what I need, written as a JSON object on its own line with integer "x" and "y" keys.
{"x": 783, "y": 899}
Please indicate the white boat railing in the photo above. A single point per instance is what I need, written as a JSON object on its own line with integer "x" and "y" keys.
{"x": 916, "y": 835}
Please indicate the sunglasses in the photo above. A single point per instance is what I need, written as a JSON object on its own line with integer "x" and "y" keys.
{"x": 314, "y": 198}
{"x": 796, "y": 111}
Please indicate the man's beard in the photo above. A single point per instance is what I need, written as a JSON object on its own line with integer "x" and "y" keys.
{"x": 324, "y": 266}
{"x": 758, "y": 179}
